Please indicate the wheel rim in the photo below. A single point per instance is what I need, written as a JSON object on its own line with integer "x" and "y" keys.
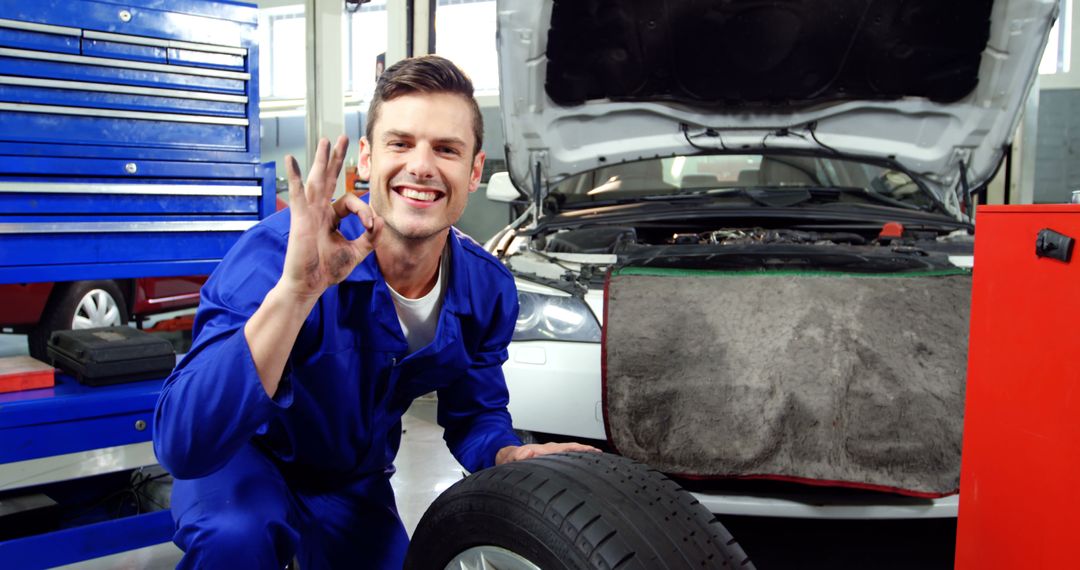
{"x": 97, "y": 308}
{"x": 490, "y": 558}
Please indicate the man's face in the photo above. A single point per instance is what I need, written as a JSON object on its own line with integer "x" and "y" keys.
{"x": 420, "y": 163}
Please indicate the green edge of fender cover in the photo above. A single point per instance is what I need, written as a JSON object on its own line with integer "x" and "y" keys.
{"x": 669, "y": 272}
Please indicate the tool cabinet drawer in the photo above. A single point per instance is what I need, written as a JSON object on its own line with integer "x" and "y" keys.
{"x": 166, "y": 219}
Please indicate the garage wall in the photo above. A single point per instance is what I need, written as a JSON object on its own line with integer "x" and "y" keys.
{"x": 284, "y": 134}
{"x": 1057, "y": 170}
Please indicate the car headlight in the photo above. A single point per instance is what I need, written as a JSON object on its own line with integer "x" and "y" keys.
{"x": 547, "y": 317}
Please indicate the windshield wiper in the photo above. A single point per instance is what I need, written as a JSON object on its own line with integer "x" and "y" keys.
{"x": 771, "y": 196}
{"x": 695, "y": 194}
{"x": 782, "y": 196}
{"x": 836, "y": 192}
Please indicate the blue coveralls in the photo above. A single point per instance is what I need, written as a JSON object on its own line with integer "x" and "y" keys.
{"x": 306, "y": 473}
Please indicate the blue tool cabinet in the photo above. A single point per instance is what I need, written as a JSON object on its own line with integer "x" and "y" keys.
{"x": 129, "y": 147}
{"x": 129, "y": 137}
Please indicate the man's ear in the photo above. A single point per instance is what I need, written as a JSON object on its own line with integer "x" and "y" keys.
{"x": 477, "y": 171}
{"x": 363, "y": 169}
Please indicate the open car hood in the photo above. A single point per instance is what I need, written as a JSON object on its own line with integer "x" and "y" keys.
{"x": 928, "y": 85}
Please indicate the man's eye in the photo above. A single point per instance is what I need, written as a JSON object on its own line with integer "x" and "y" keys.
{"x": 448, "y": 150}
{"x": 396, "y": 144}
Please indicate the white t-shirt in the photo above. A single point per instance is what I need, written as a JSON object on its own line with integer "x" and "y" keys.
{"x": 420, "y": 317}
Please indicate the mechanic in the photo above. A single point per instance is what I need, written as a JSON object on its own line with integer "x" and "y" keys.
{"x": 320, "y": 327}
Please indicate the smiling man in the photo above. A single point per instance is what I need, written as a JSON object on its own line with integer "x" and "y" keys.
{"x": 322, "y": 325}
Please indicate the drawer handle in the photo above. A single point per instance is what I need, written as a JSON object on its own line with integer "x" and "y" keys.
{"x": 1054, "y": 245}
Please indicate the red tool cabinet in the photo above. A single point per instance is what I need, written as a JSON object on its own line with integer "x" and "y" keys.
{"x": 1020, "y": 466}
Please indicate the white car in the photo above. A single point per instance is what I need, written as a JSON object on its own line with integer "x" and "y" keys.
{"x": 745, "y": 236}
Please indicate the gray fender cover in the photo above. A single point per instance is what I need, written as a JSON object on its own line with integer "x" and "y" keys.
{"x": 853, "y": 380}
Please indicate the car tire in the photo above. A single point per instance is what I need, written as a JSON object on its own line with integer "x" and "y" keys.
{"x": 571, "y": 511}
{"x": 79, "y": 304}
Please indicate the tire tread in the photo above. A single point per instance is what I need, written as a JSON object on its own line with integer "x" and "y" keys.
{"x": 617, "y": 513}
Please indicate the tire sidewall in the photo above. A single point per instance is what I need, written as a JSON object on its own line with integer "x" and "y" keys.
{"x": 501, "y": 525}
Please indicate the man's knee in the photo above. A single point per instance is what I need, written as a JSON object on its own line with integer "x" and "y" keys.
{"x": 240, "y": 539}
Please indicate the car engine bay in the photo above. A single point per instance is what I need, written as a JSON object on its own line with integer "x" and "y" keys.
{"x": 868, "y": 248}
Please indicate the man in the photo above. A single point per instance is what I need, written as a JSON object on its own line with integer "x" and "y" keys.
{"x": 320, "y": 327}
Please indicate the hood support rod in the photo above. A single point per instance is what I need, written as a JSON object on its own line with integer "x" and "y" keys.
{"x": 538, "y": 193}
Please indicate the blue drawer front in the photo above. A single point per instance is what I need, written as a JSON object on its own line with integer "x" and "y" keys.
{"x": 59, "y": 70}
{"x": 104, "y": 247}
{"x": 25, "y": 39}
{"x": 43, "y": 151}
{"x": 72, "y": 96}
{"x": 101, "y": 48}
{"x": 99, "y": 132}
{"x": 90, "y": 270}
{"x": 74, "y": 168}
{"x": 111, "y": 205}
{"x": 110, "y": 199}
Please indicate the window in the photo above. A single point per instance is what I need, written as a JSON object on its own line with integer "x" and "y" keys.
{"x": 365, "y": 39}
{"x": 1056, "y": 56}
{"x": 465, "y": 34}
{"x": 282, "y": 61}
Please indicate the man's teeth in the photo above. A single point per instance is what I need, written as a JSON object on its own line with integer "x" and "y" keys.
{"x": 418, "y": 195}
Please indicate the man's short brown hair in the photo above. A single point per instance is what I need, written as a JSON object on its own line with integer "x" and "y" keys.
{"x": 424, "y": 74}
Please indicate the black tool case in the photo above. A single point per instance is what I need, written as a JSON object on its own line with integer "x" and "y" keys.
{"x": 111, "y": 355}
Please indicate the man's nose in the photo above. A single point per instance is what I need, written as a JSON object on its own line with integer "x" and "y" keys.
{"x": 422, "y": 162}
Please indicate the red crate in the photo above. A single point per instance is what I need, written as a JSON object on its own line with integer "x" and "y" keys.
{"x": 24, "y": 373}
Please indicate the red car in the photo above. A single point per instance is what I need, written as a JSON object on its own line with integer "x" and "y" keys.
{"x": 38, "y": 309}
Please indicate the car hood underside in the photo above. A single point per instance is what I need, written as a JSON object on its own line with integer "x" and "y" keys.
{"x": 936, "y": 87}
{"x": 840, "y": 379}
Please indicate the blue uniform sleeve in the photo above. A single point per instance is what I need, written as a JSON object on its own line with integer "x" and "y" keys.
{"x": 472, "y": 410}
{"x": 213, "y": 403}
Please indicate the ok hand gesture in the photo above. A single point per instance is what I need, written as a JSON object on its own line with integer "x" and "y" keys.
{"x": 318, "y": 255}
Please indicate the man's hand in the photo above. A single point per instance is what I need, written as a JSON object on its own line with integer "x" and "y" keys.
{"x": 318, "y": 256}
{"x": 520, "y": 452}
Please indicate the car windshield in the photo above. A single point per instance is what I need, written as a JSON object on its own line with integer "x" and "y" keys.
{"x": 753, "y": 177}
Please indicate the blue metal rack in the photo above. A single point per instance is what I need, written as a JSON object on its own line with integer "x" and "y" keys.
{"x": 84, "y": 543}
{"x": 70, "y": 418}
